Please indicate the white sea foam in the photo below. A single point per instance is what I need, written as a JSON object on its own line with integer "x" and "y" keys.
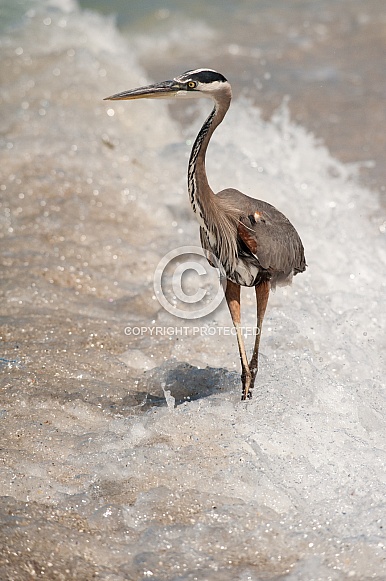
{"x": 132, "y": 456}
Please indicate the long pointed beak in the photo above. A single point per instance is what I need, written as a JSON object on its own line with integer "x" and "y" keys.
{"x": 156, "y": 91}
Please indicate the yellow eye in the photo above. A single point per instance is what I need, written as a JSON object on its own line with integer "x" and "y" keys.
{"x": 192, "y": 84}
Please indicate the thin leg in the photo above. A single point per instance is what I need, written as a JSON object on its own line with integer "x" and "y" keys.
{"x": 232, "y": 295}
{"x": 262, "y": 294}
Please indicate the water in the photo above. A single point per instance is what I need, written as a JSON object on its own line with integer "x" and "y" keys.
{"x": 126, "y": 451}
{"x": 326, "y": 55}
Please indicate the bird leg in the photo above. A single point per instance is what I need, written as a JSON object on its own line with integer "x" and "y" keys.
{"x": 232, "y": 295}
{"x": 262, "y": 294}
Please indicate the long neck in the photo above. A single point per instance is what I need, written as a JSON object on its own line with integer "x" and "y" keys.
{"x": 200, "y": 193}
{"x": 216, "y": 217}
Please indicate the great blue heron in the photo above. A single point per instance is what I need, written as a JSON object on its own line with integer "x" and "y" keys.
{"x": 256, "y": 244}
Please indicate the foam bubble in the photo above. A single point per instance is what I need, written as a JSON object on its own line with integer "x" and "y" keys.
{"x": 131, "y": 454}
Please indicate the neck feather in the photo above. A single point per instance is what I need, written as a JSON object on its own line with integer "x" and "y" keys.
{"x": 217, "y": 219}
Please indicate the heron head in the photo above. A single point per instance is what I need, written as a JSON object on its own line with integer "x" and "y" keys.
{"x": 195, "y": 83}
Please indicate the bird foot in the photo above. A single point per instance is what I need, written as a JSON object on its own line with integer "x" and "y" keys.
{"x": 246, "y": 395}
{"x": 248, "y": 382}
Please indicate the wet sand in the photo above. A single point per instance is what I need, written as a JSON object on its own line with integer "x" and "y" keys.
{"x": 102, "y": 476}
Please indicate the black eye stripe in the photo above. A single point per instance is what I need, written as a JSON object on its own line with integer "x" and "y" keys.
{"x": 209, "y": 77}
{"x": 203, "y": 76}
